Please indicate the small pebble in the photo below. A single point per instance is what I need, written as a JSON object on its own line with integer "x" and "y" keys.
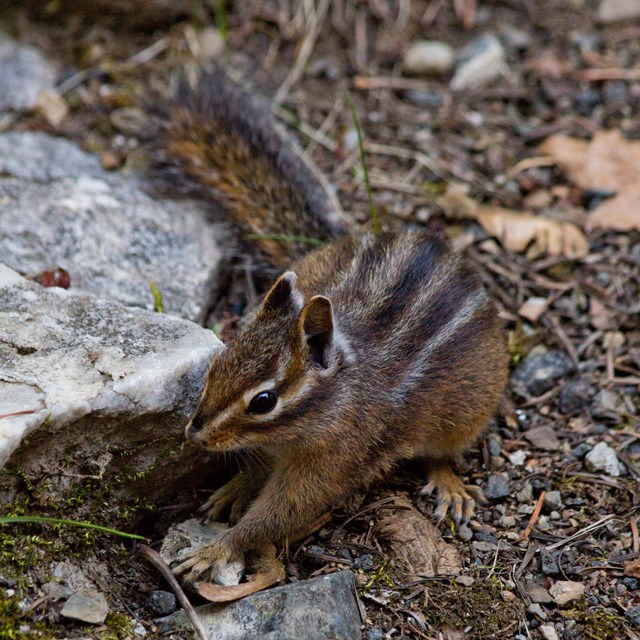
{"x": 538, "y": 372}
{"x": 497, "y": 486}
{"x": 580, "y": 451}
{"x": 480, "y": 63}
{"x": 429, "y": 57}
{"x": 375, "y": 634}
{"x": 162, "y": 602}
{"x": 603, "y": 458}
{"x": 465, "y": 581}
{"x": 537, "y": 610}
{"x": 525, "y": 495}
{"x": 633, "y": 615}
{"x": 574, "y": 396}
{"x": 364, "y": 562}
{"x": 543, "y": 438}
{"x": 548, "y": 632}
{"x": 538, "y": 593}
{"x": 552, "y": 500}
{"x": 87, "y": 607}
{"x": 549, "y": 563}
{"x": 464, "y": 533}
{"x": 566, "y": 591}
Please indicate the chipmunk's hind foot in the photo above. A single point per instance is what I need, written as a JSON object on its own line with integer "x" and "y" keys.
{"x": 454, "y": 497}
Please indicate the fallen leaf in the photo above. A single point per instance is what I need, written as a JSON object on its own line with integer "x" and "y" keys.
{"x": 632, "y": 568}
{"x": 608, "y": 162}
{"x": 517, "y": 230}
{"x": 620, "y": 213}
{"x": 417, "y": 543}
{"x": 533, "y": 308}
{"x": 269, "y": 571}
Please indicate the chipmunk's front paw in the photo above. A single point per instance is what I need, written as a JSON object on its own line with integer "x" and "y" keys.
{"x": 209, "y": 557}
{"x": 454, "y": 497}
{"x": 233, "y": 498}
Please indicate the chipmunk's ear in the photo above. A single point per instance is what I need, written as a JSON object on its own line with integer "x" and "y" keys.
{"x": 283, "y": 294}
{"x": 316, "y": 321}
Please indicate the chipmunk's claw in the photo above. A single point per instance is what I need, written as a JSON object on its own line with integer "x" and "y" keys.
{"x": 210, "y": 556}
{"x": 233, "y": 498}
{"x": 454, "y": 497}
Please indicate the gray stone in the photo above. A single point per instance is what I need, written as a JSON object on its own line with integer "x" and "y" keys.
{"x": 603, "y": 458}
{"x": 538, "y": 372}
{"x": 525, "y": 495}
{"x": 480, "y": 63}
{"x": 608, "y": 405}
{"x": 316, "y": 609}
{"x": 549, "y": 563}
{"x": 553, "y": 500}
{"x": 464, "y": 533}
{"x": 497, "y": 486}
{"x": 537, "y": 611}
{"x": 162, "y": 602}
{"x": 98, "y": 378}
{"x": 611, "y": 11}
{"x": 59, "y": 208}
{"x": 465, "y": 581}
{"x": 87, "y": 607}
{"x": 26, "y": 73}
{"x": 543, "y": 438}
{"x": 574, "y": 396}
{"x": 538, "y": 593}
{"x": 429, "y": 57}
{"x": 633, "y": 615}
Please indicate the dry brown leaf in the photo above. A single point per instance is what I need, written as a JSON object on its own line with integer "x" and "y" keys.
{"x": 608, "y": 162}
{"x": 416, "y": 542}
{"x": 269, "y": 571}
{"x": 620, "y": 213}
{"x": 632, "y": 568}
{"x": 517, "y": 230}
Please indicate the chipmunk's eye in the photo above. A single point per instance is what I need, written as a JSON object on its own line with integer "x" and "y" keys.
{"x": 263, "y": 402}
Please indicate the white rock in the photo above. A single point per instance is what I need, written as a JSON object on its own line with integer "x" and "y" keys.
{"x": 429, "y": 57}
{"x": 86, "y": 606}
{"x": 59, "y": 208}
{"x": 481, "y": 62}
{"x": 548, "y": 632}
{"x": 603, "y": 458}
{"x": 67, "y": 356}
{"x": 617, "y": 10}
{"x": 25, "y": 74}
{"x": 566, "y": 591}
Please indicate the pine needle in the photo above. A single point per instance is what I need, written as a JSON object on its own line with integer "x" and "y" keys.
{"x": 374, "y": 213}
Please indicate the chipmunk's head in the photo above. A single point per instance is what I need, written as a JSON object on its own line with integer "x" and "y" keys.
{"x": 260, "y": 385}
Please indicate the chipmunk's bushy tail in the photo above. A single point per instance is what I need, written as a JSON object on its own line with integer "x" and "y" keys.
{"x": 226, "y": 141}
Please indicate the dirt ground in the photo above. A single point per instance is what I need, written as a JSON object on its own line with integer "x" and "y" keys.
{"x": 551, "y": 518}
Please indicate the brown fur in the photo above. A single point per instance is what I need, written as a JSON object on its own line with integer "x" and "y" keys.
{"x": 380, "y": 349}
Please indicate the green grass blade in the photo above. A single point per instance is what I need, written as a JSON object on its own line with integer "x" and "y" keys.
{"x": 372, "y": 206}
{"x": 74, "y": 523}
{"x": 158, "y": 305}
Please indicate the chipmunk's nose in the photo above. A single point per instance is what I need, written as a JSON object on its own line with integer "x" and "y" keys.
{"x": 194, "y": 426}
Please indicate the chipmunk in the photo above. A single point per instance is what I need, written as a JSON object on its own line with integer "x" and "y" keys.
{"x": 369, "y": 351}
